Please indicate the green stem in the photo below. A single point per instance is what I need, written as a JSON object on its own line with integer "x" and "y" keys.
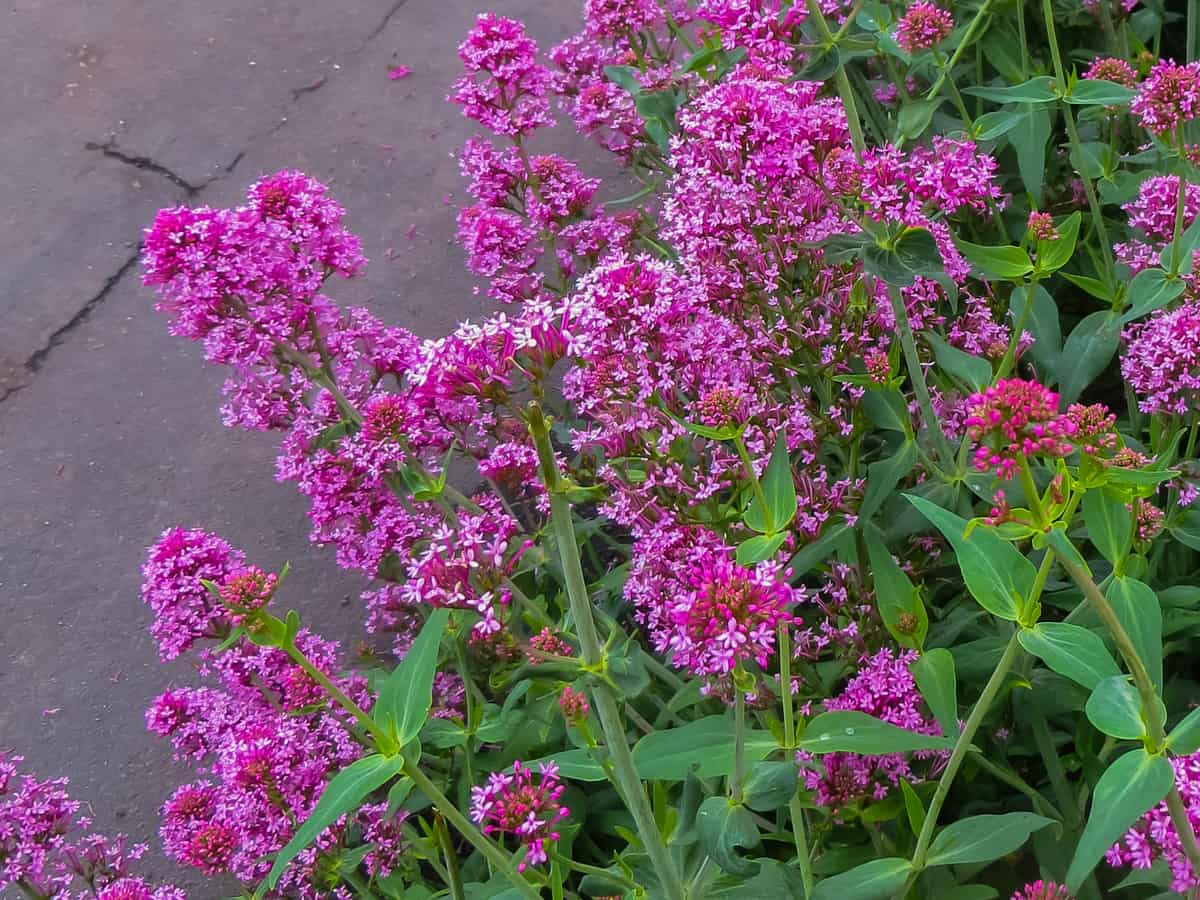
{"x": 1076, "y": 145}
{"x": 961, "y": 747}
{"x": 1013, "y": 780}
{"x": 453, "y": 878}
{"x": 800, "y": 836}
{"x": 1054, "y": 768}
{"x": 1032, "y": 496}
{"x": 1193, "y": 27}
{"x": 628, "y": 783}
{"x": 500, "y": 860}
{"x": 785, "y": 686}
{"x": 383, "y": 741}
{"x": 916, "y": 374}
{"x": 1021, "y": 40}
{"x": 753, "y": 476}
{"x": 1147, "y": 693}
{"x": 845, "y": 89}
{"x": 1010, "y": 354}
{"x": 967, "y": 38}
{"x": 739, "y": 742}
{"x": 1180, "y": 204}
{"x": 586, "y": 869}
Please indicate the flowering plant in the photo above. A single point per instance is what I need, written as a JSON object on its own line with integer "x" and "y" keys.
{"x": 816, "y": 521}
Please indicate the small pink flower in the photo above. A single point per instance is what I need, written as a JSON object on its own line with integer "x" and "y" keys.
{"x": 395, "y": 73}
{"x": 1169, "y": 97}
{"x": 923, "y": 27}
{"x": 1015, "y": 419}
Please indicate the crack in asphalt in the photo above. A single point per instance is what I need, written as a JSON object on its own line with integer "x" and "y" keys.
{"x": 38, "y": 357}
{"x": 109, "y": 149}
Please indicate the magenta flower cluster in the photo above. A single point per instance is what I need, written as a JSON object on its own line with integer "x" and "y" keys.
{"x": 1154, "y": 837}
{"x": 522, "y": 805}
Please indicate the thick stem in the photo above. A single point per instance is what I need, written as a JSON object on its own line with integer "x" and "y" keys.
{"x": 500, "y": 860}
{"x": 383, "y": 741}
{"x": 627, "y": 781}
{"x": 1076, "y": 145}
{"x": 845, "y": 89}
{"x": 785, "y": 686}
{"x": 453, "y": 878}
{"x": 754, "y": 482}
{"x": 916, "y": 374}
{"x": 739, "y": 743}
{"x": 800, "y": 836}
{"x": 961, "y": 747}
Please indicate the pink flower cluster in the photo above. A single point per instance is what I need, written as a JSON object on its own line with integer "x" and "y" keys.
{"x": 505, "y": 86}
{"x": 1169, "y": 97}
{"x": 1161, "y": 361}
{"x": 922, "y": 27}
{"x": 523, "y": 805}
{"x": 1152, "y": 212}
{"x": 48, "y": 850}
{"x": 884, "y": 688}
{"x": 1015, "y": 419}
{"x": 1153, "y": 837}
{"x": 1041, "y": 890}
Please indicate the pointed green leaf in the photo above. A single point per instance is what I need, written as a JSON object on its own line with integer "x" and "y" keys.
{"x": 1071, "y": 651}
{"x": 1137, "y": 606}
{"x": 625, "y": 77}
{"x": 705, "y": 746}
{"x": 1042, "y": 322}
{"x": 850, "y": 731}
{"x": 761, "y": 546}
{"x": 1115, "y": 709}
{"x": 1150, "y": 289}
{"x": 1088, "y": 351}
{"x": 1053, "y": 255}
{"x": 779, "y": 491}
{"x": 1109, "y": 523}
{"x": 973, "y": 371}
{"x": 980, "y": 839}
{"x": 343, "y": 794}
{"x": 1095, "y": 92}
{"x": 875, "y": 880}
{"x": 1128, "y": 788}
{"x": 1029, "y": 141}
{"x": 1035, "y": 90}
{"x": 895, "y": 595}
{"x": 725, "y": 830}
{"x": 996, "y": 263}
{"x": 934, "y": 674}
{"x": 884, "y": 475}
{"x": 996, "y": 574}
{"x": 913, "y": 807}
{"x": 407, "y": 695}
{"x": 1184, "y": 738}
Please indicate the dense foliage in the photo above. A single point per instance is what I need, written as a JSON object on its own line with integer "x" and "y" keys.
{"x": 817, "y": 520}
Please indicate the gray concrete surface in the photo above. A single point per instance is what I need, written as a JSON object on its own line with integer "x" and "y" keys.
{"x": 108, "y": 427}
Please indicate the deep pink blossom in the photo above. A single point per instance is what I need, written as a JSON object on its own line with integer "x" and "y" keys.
{"x": 523, "y": 805}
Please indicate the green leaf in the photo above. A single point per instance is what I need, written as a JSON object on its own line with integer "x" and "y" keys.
{"x": 819, "y": 550}
{"x": 934, "y": 674}
{"x": 895, "y": 595}
{"x": 705, "y": 746}
{"x": 1071, "y": 651}
{"x": 625, "y": 77}
{"x": 344, "y": 792}
{"x": 1128, "y": 788}
{"x": 660, "y": 105}
{"x": 1187, "y": 530}
{"x": 1029, "y": 141}
{"x": 850, "y": 731}
{"x": 1115, "y": 709}
{"x": 1001, "y": 263}
{"x": 914, "y": 117}
{"x": 980, "y": 839}
{"x": 918, "y": 252}
{"x": 1093, "y": 286}
{"x": 996, "y": 574}
{"x": 1087, "y": 353}
{"x": 992, "y": 125}
{"x": 886, "y": 408}
{"x": 574, "y": 765}
{"x": 883, "y": 475}
{"x": 1053, "y": 255}
{"x": 1109, "y": 523}
{"x": 1137, "y": 606}
{"x": 761, "y": 546}
{"x": 1150, "y": 289}
{"x": 913, "y": 807}
{"x": 1184, "y": 738}
{"x": 1042, "y": 322}
{"x": 779, "y": 491}
{"x": 770, "y": 785}
{"x": 725, "y": 829}
{"x": 407, "y": 695}
{"x": 1035, "y": 90}
{"x": 1094, "y": 92}
{"x": 878, "y": 879}
{"x": 973, "y": 371}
